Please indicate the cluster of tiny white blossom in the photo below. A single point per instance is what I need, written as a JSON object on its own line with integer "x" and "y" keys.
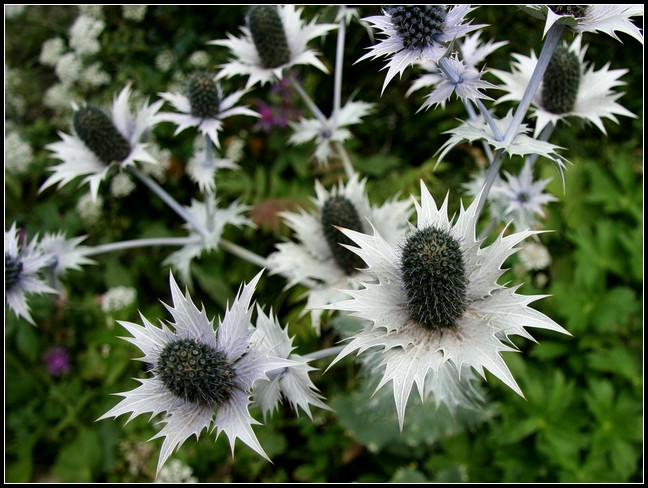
{"x": 421, "y": 283}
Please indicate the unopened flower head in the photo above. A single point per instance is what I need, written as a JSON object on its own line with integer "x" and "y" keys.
{"x": 570, "y": 87}
{"x": 417, "y": 33}
{"x": 203, "y": 106}
{"x": 609, "y": 19}
{"x": 24, "y": 264}
{"x": 435, "y": 307}
{"x": 329, "y": 131}
{"x": 101, "y": 141}
{"x": 320, "y": 255}
{"x": 201, "y": 378}
{"x": 275, "y": 38}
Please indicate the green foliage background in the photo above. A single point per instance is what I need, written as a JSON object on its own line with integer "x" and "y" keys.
{"x": 582, "y": 418}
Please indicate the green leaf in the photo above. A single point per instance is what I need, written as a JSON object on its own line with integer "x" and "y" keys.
{"x": 617, "y": 360}
{"x": 371, "y": 419}
{"x": 78, "y": 459}
{"x": 614, "y": 308}
{"x": 27, "y": 341}
{"x": 376, "y": 165}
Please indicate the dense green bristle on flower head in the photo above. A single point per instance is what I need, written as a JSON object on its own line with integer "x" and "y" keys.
{"x": 433, "y": 272}
{"x": 561, "y": 81}
{"x": 13, "y": 269}
{"x": 339, "y": 211}
{"x": 100, "y": 135}
{"x": 576, "y": 11}
{"x": 269, "y": 36}
{"x": 203, "y": 95}
{"x": 196, "y": 372}
{"x": 417, "y": 25}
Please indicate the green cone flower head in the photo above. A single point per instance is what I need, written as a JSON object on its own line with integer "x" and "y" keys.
{"x": 561, "y": 81}
{"x": 98, "y": 132}
{"x": 269, "y": 36}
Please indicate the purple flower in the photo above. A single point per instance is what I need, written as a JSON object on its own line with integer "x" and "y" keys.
{"x": 57, "y": 360}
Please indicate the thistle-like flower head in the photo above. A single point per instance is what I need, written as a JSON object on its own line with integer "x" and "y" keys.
{"x": 201, "y": 378}
{"x": 435, "y": 307}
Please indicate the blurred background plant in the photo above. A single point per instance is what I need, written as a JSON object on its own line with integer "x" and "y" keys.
{"x": 582, "y": 417}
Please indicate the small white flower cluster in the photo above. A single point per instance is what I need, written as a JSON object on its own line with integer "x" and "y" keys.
{"x": 118, "y": 298}
{"x": 18, "y": 153}
{"x": 176, "y": 472}
{"x": 73, "y": 63}
{"x": 135, "y": 13}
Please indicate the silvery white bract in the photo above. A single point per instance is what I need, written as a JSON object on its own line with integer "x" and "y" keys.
{"x": 609, "y": 19}
{"x": 225, "y": 410}
{"x": 249, "y": 60}
{"x": 520, "y": 144}
{"x": 523, "y": 197}
{"x": 595, "y": 97}
{"x": 311, "y": 257}
{"x": 23, "y": 265}
{"x": 334, "y": 129}
{"x": 403, "y": 50}
{"x": 79, "y": 159}
{"x": 459, "y": 79}
{"x": 65, "y": 253}
{"x": 291, "y": 383}
{"x": 211, "y": 218}
{"x": 434, "y": 352}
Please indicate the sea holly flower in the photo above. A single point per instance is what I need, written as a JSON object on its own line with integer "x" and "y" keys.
{"x": 320, "y": 255}
{"x": 523, "y": 197}
{"x": 275, "y": 38}
{"x": 470, "y": 51}
{"x": 520, "y": 145}
{"x": 213, "y": 220}
{"x": 292, "y": 383}
{"x": 24, "y": 264}
{"x": 570, "y": 87}
{"x": 417, "y": 33}
{"x": 434, "y": 304}
{"x": 100, "y": 142}
{"x": 591, "y": 18}
{"x": 333, "y": 129}
{"x": 455, "y": 77}
{"x": 201, "y": 378}
{"x": 203, "y": 106}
